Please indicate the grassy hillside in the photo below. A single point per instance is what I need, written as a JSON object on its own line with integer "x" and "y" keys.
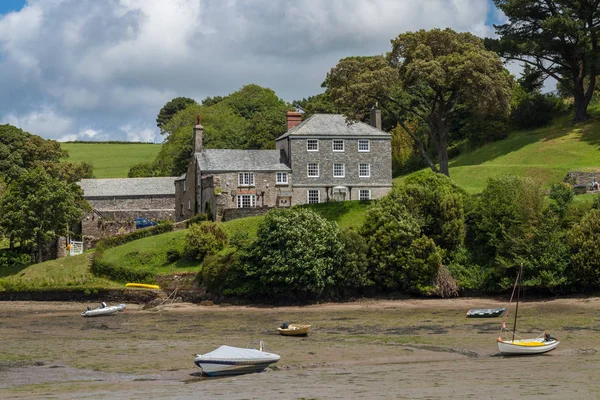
{"x": 111, "y": 160}
{"x": 545, "y": 155}
{"x": 63, "y": 273}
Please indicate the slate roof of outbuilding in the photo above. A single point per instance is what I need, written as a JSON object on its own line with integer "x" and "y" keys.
{"x": 332, "y": 125}
{"x": 241, "y": 160}
{"x": 128, "y": 187}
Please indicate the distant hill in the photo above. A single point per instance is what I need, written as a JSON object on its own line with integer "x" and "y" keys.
{"x": 112, "y": 159}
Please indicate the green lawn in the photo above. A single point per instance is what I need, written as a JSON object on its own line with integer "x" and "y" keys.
{"x": 111, "y": 160}
{"x": 545, "y": 155}
{"x": 63, "y": 273}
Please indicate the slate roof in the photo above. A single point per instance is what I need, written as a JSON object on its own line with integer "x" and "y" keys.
{"x": 332, "y": 125}
{"x": 241, "y": 160}
{"x": 128, "y": 187}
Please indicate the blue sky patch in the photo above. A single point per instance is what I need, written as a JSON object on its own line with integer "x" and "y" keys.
{"x": 7, "y": 6}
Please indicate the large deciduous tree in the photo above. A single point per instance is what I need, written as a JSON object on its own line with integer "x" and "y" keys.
{"x": 425, "y": 76}
{"x": 37, "y": 208}
{"x": 558, "y": 37}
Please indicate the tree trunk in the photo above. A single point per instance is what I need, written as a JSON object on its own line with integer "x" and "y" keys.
{"x": 581, "y": 104}
{"x": 442, "y": 150}
{"x": 40, "y": 251}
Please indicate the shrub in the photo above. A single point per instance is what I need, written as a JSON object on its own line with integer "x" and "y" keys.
{"x": 401, "y": 257}
{"x": 294, "y": 256}
{"x": 352, "y": 275}
{"x": 584, "y": 239}
{"x": 216, "y": 273}
{"x": 562, "y": 195}
{"x": 11, "y": 259}
{"x": 534, "y": 110}
{"x": 203, "y": 239}
{"x": 196, "y": 219}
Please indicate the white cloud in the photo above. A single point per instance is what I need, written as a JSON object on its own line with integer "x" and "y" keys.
{"x": 111, "y": 65}
{"x": 44, "y": 122}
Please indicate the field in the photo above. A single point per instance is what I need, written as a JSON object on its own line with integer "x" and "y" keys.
{"x": 111, "y": 160}
{"x": 418, "y": 349}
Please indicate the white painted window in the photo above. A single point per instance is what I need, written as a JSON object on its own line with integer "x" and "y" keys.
{"x": 246, "y": 200}
{"x": 338, "y": 145}
{"x": 184, "y": 185}
{"x": 246, "y": 179}
{"x": 189, "y": 204}
{"x": 313, "y": 196}
{"x": 364, "y": 170}
{"x": 364, "y": 146}
{"x": 364, "y": 194}
{"x": 339, "y": 170}
{"x": 312, "y": 145}
{"x": 312, "y": 170}
{"x": 282, "y": 178}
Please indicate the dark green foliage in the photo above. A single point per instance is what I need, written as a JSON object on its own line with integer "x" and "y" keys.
{"x": 438, "y": 202}
{"x": 560, "y": 38}
{"x": 115, "y": 241}
{"x": 13, "y": 258}
{"x": 295, "y": 255}
{"x": 37, "y": 208}
{"x": 204, "y": 238}
{"x": 352, "y": 275}
{"x": 504, "y": 223}
{"x": 196, "y": 219}
{"x": 171, "y": 108}
{"x": 546, "y": 264}
{"x": 141, "y": 170}
{"x": 534, "y": 110}
{"x": 21, "y": 150}
{"x": 584, "y": 239}
{"x": 217, "y": 273}
{"x": 562, "y": 195}
{"x": 398, "y": 251}
{"x": 596, "y": 202}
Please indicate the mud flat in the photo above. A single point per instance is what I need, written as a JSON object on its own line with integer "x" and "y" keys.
{"x": 418, "y": 349}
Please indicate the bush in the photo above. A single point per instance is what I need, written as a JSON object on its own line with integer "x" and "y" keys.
{"x": 216, "y": 273}
{"x": 295, "y": 255}
{"x": 584, "y": 239}
{"x": 196, "y": 219}
{"x": 534, "y": 110}
{"x": 12, "y": 258}
{"x": 352, "y": 275}
{"x": 203, "y": 239}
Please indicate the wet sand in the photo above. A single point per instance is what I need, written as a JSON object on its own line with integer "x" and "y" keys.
{"x": 417, "y": 349}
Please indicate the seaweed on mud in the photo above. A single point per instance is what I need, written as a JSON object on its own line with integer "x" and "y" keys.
{"x": 581, "y": 328}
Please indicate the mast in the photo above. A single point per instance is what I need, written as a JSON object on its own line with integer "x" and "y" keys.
{"x": 519, "y": 278}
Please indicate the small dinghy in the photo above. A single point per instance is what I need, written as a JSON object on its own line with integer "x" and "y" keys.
{"x": 228, "y": 360}
{"x": 293, "y": 329}
{"x": 485, "y": 312}
{"x": 103, "y": 309}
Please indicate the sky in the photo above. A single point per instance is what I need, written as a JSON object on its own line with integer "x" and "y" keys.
{"x": 102, "y": 70}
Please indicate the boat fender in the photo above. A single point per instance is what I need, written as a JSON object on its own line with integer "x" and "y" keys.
{"x": 499, "y": 338}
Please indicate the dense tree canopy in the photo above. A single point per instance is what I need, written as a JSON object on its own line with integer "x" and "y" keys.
{"x": 251, "y": 118}
{"x": 425, "y": 76}
{"x": 171, "y": 108}
{"x": 561, "y": 38}
{"x": 37, "y": 208}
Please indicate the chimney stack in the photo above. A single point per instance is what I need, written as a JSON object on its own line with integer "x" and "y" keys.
{"x": 293, "y": 119}
{"x": 198, "y": 133}
{"x": 376, "y": 117}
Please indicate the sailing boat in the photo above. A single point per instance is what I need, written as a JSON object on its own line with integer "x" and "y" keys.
{"x": 512, "y": 346}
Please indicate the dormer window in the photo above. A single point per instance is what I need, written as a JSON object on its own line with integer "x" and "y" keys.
{"x": 312, "y": 145}
{"x": 338, "y": 145}
{"x": 246, "y": 179}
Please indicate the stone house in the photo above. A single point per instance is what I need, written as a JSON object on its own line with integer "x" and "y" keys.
{"x": 117, "y": 202}
{"x": 320, "y": 159}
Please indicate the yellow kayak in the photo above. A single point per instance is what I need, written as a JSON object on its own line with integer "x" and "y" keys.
{"x": 294, "y": 329}
{"x": 142, "y": 285}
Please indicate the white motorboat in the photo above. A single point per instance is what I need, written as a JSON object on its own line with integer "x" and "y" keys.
{"x": 103, "y": 310}
{"x": 228, "y": 360}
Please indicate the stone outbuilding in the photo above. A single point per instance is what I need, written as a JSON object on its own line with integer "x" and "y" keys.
{"x": 117, "y": 202}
